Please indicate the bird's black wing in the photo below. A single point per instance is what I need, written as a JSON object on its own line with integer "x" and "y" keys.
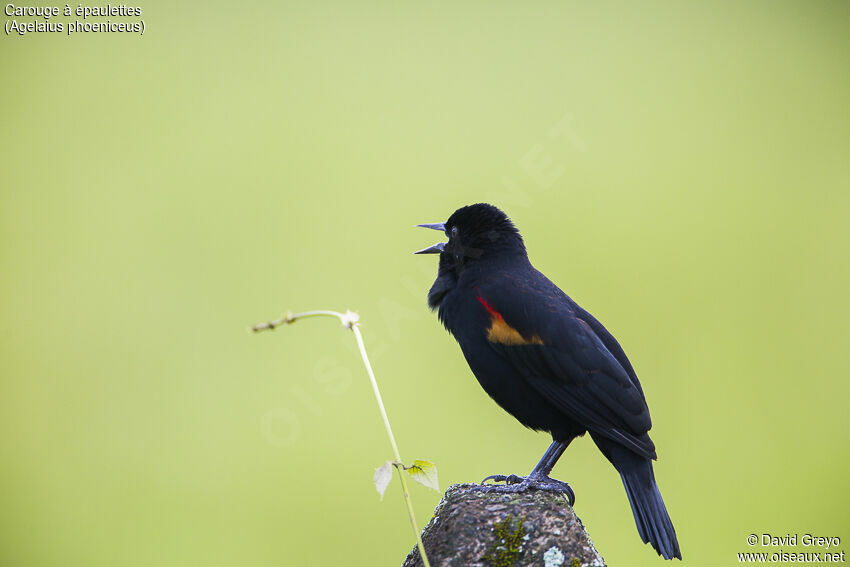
{"x": 570, "y": 364}
{"x": 609, "y": 341}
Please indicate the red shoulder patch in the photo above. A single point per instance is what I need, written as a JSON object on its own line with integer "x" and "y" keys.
{"x": 490, "y": 309}
{"x": 502, "y": 333}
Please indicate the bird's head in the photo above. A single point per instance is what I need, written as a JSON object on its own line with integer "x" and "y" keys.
{"x": 476, "y": 234}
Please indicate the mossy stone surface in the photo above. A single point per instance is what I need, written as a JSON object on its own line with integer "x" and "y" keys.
{"x": 476, "y": 529}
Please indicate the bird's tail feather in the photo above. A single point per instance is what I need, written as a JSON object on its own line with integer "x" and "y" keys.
{"x": 653, "y": 522}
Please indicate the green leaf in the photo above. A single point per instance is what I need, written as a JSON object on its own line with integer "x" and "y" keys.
{"x": 425, "y": 473}
{"x": 382, "y": 478}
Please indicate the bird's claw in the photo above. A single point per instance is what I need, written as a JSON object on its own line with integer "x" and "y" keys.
{"x": 514, "y": 484}
{"x": 507, "y": 479}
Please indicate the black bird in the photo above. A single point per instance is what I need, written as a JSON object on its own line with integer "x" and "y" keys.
{"x": 544, "y": 360}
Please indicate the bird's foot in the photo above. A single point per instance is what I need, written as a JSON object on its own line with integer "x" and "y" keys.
{"x": 514, "y": 484}
{"x": 507, "y": 479}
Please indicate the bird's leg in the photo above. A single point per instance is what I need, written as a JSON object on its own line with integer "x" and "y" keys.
{"x": 538, "y": 478}
{"x": 543, "y": 467}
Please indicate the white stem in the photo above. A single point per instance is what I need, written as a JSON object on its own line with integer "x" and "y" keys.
{"x": 349, "y": 320}
{"x": 356, "y": 330}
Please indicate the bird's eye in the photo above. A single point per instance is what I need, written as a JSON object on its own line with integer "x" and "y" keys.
{"x": 454, "y": 231}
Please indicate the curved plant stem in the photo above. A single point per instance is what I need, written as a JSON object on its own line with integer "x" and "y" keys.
{"x": 350, "y": 320}
{"x": 356, "y": 330}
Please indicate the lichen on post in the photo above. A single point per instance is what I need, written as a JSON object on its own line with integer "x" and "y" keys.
{"x": 472, "y": 528}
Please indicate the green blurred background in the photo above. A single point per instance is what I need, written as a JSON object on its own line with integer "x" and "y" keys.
{"x": 680, "y": 169}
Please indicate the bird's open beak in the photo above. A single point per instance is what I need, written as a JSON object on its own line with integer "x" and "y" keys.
{"x": 435, "y": 249}
{"x": 441, "y": 226}
{"x": 438, "y": 247}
